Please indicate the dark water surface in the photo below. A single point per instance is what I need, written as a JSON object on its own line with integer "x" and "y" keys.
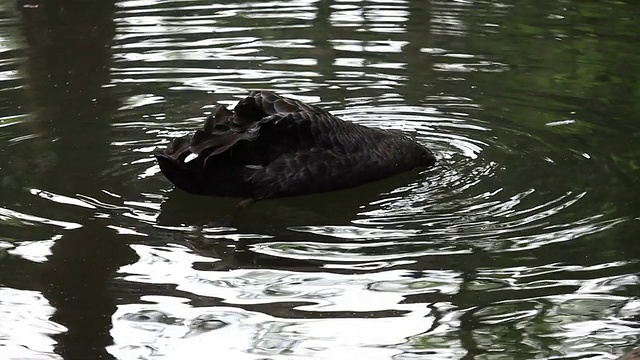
{"x": 522, "y": 242}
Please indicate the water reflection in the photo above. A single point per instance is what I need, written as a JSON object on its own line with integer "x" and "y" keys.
{"x": 524, "y": 230}
{"x": 71, "y": 148}
{"x": 27, "y": 313}
{"x": 251, "y": 335}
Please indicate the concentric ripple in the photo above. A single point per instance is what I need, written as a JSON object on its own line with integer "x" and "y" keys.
{"x": 519, "y": 243}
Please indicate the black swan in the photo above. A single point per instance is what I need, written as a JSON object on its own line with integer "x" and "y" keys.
{"x": 272, "y": 146}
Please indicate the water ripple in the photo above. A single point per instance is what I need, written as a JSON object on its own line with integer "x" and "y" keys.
{"x": 523, "y": 230}
{"x": 27, "y": 312}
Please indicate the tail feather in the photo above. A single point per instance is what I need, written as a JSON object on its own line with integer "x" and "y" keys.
{"x": 178, "y": 149}
{"x": 178, "y": 174}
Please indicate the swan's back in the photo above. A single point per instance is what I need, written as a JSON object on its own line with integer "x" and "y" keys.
{"x": 271, "y": 146}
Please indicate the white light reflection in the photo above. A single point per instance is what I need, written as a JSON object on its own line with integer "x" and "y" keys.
{"x": 26, "y": 329}
{"x": 170, "y": 329}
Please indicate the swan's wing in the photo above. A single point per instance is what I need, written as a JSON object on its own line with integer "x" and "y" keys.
{"x": 278, "y": 124}
{"x": 225, "y": 128}
{"x": 266, "y": 103}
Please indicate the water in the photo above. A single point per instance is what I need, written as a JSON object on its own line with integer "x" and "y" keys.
{"x": 520, "y": 243}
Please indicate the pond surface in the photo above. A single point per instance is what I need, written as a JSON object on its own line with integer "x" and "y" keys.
{"x": 522, "y": 242}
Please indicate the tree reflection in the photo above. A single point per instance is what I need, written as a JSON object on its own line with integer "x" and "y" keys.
{"x": 68, "y": 66}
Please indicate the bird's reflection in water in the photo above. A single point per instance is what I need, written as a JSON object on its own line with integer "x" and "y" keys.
{"x": 207, "y": 219}
{"x": 332, "y": 208}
